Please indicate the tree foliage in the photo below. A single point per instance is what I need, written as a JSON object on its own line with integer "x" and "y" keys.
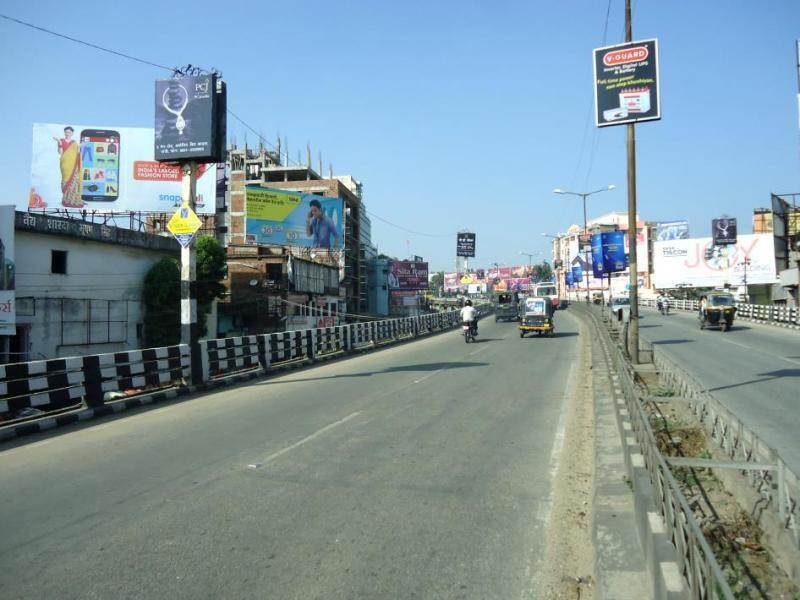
{"x": 542, "y": 272}
{"x": 162, "y": 293}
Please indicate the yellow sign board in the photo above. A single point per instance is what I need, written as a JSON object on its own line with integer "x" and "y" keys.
{"x": 271, "y": 205}
{"x": 184, "y": 221}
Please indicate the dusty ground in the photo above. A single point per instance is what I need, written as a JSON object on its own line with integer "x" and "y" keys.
{"x": 570, "y": 556}
{"x": 734, "y": 536}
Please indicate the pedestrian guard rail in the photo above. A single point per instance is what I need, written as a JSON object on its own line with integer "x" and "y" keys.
{"x": 699, "y": 567}
{"x": 42, "y": 388}
{"x": 784, "y": 316}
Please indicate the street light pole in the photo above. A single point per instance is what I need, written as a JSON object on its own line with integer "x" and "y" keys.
{"x": 583, "y": 196}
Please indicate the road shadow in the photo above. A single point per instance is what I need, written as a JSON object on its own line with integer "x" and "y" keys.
{"x": 665, "y": 342}
{"x": 480, "y": 340}
{"x": 648, "y": 326}
{"x": 769, "y": 376}
{"x": 421, "y": 368}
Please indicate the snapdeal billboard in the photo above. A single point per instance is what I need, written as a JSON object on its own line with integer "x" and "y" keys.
{"x": 682, "y": 262}
{"x": 107, "y": 169}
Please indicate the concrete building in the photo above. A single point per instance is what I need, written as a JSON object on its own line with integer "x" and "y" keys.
{"x": 79, "y": 286}
{"x": 378, "y": 276}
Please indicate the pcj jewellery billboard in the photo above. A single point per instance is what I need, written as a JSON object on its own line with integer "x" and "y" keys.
{"x": 626, "y": 83}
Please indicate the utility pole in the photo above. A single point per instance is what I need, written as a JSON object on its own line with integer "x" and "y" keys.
{"x": 633, "y": 326}
{"x": 189, "y": 327}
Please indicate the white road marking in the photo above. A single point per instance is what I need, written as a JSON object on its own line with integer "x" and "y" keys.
{"x": 305, "y": 440}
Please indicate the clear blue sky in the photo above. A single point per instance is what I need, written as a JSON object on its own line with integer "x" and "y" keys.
{"x": 454, "y": 114}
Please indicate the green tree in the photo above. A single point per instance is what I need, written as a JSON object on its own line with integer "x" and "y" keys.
{"x": 162, "y": 304}
{"x": 542, "y": 272}
{"x": 437, "y": 282}
{"x": 162, "y": 293}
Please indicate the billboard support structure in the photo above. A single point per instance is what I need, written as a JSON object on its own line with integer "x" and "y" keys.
{"x": 189, "y": 327}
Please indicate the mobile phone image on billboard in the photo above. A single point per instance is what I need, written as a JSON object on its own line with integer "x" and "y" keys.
{"x": 100, "y": 162}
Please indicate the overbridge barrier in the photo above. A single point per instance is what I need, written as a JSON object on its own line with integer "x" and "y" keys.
{"x": 39, "y": 395}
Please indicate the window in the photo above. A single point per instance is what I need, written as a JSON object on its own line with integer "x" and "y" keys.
{"x": 58, "y": 262}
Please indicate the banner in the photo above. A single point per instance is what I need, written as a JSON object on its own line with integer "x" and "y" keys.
{"x": 7, "y": 272}
{"x": 613, "y": 252}
{"x": 626, "y": 83}
{"x": 597, "y": 256}
{"x": 513, "y": 284}
{"x": 723, "y": 231}
{"x": 499, "y": 273}
{"x": 90, "y": 167}
{"x": 465, "y": 245}
{"x": 187, "y": 119}
{"x": 403, "y": 298}
{"x": 408, "y": 275}
{"x": 292, "y": 219}
{"x": 568, "y": 278}
{"x": 672, "y": 230}
{"x": 682, "y": 262}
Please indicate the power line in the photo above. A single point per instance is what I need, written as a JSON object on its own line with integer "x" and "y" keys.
{"x": 435, "y": 235}
{"x": 89, "y": 44}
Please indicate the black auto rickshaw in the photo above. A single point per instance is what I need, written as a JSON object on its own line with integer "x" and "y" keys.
{"x": 505, "y": 306}
{"x": 536, "y": 315}
{"x": 719, "y": 311}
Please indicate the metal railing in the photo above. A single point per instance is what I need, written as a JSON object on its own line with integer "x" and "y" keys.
{"x": 696, "y": 561}
{"x": 779, "y": 315}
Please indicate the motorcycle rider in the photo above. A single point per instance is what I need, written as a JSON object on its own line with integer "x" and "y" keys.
{"x": 662, "y": 302}
{"x": 470, "y": 315}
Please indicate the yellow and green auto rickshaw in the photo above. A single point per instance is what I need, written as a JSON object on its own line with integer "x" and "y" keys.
{"x": 720, "y": 310}
{"x": 536, "y": 316}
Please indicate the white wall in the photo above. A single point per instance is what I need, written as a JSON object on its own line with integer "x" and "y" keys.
{"x": 71, "y": 309}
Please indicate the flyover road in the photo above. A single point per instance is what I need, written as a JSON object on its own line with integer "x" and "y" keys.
{"x": 422, "y": 470}
{"x": 753, "y": 369}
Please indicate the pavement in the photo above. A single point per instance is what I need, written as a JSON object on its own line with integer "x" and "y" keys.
{"x": 423, "y": 470}
{"x": 754, "y": 370}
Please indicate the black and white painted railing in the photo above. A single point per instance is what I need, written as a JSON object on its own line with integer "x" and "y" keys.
{"x": 781, "y": 316}
{"x": 49, "y": 387}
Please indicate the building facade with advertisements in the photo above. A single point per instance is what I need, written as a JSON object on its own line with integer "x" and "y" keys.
{"x": 79, "y": 286}
{"x": 263, "y": 170}
{"x": 571, "y": 251}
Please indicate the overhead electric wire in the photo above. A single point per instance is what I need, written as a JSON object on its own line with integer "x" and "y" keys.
{"x": 244, "y": 123}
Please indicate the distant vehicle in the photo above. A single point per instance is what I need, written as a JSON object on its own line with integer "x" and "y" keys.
{"x": 621, "y": 308}
{"x": 505, "y": 306}
{"x": 597, "y": 298}
{"x": 547, "y": 289}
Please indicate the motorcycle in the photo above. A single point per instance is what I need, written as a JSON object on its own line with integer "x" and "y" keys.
{"x": 663, "y": 307}
{"x": 468, "y": 329}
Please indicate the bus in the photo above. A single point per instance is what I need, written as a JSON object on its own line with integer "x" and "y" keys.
{"x": 547, "y": 289}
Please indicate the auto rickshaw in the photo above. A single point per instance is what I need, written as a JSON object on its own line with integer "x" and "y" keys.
{"x": 505, "y": 306}
{"x": 536, "y": 315}
{"x": 720, "y": 311}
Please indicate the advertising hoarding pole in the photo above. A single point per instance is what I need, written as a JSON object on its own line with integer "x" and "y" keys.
{"x": 189, "y": 328}
{"x": 633, "y": 326}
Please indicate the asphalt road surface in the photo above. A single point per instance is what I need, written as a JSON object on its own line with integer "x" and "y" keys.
{"x": 753, "y": 369}
{"x": 419, "y": 471}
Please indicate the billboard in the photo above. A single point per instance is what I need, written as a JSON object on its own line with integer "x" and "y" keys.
{"x": 408, "y": 275}
{"x": 672, "y": 230}
{"x": 292, "y": 218}
{"x": 188, "y": 111}
{"x": 626, "y": 83}
{"x": 465, "y": 245}
{"x": 7, "y": 272}
{"x": 723, "y": 231}
{"x": 451, "y": 282}
{"x": 90, "y": 167}
{"x": 499, "y": 273}
{"x": 682, "y": 262}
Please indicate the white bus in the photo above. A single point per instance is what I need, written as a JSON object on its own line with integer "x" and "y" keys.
{"x": 547, "y": 289}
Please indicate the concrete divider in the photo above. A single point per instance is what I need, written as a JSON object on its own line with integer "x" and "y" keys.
{"x": 66, "y": 390}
